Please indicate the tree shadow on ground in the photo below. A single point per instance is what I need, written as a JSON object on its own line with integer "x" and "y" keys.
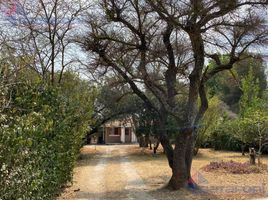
{"x": 158, "y": 194}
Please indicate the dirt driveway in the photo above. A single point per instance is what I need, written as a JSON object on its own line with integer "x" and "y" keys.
{"x": 129, "y": 172}
{"x": 106, "y": 174}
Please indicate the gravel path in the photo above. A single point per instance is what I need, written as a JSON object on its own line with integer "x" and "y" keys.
{"x": 135, "y": 187}
{"x": 91, "y": 181}
{"x": 108, "y": 175}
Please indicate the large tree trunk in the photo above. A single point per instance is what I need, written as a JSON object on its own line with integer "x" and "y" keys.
{"x": 189, "y": 158}
{"x": 182, "y": 161}
{"x": 168, "y": 149}
{"x": 179, "y": 168}
{"x": 185, "y": 141}
{"x": 178, "y": 158}
{"x": 163, "y": 137}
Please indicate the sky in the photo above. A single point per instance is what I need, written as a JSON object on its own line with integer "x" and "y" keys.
{"x": 11, "y": 12}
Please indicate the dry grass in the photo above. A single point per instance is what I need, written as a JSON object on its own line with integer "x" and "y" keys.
{"x": 216, "y": 185}
{"x": 155, "y": 172}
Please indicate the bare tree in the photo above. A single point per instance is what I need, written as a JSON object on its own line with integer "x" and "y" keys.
{"x": 45, "y": 29}
{"x": 162, "y": 46}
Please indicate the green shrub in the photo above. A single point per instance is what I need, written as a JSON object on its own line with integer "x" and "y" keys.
{"x": 223, "y": 137}
{"x": 41, "y": 135}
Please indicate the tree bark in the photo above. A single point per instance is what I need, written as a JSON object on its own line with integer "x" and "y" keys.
{"x": 179, "y": 168}
{"x": 164, "y": 139}
{"x": 168, "y": 149}
{"x": 185, "y": 142}
{"x": 189, "y": 154}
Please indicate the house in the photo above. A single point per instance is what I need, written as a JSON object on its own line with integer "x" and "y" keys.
{"x": 114, "y": 132}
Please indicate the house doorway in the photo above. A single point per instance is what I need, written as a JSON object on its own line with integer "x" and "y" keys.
{"x": 128, "y": 135}
{"x": 100, "y": 140}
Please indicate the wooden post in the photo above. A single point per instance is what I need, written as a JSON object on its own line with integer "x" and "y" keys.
{"x": 243, "y": 146}
{"x": 252, "y": 156}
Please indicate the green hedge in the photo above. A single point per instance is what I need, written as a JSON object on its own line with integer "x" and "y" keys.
{"x": 40, "y": 137}
{"x": 224, "y": 140}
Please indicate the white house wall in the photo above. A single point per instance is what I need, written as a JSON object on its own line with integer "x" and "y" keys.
{"x": 123, "y": 135}
{"x": 133, "y": 136}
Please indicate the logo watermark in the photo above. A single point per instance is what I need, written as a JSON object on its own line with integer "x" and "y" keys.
{"x": 10, "y": 8}
{"x": 16, "y": 14}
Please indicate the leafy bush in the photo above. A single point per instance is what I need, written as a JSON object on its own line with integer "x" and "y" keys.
{"x": 212, "y": 118}
{"x": 217, "y": 127}
{"x": 41, "y": 135}
{"x": 249, "y": 127}
{"x": 223, "y": 137}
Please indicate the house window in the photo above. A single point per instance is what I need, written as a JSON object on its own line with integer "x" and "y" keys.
{"x": 127, "y": 131}
{"x": 117, "y": 131}
{"x": 109, "y": 131}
